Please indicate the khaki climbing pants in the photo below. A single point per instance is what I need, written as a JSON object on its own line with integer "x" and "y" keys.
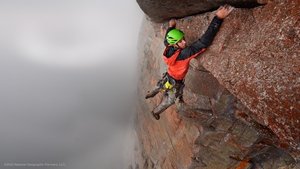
{"x": 170, "y": 94}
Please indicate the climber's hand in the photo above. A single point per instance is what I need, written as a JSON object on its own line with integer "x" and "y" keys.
{"x": 224, "y": 11}
{"x": 172, "y": 23}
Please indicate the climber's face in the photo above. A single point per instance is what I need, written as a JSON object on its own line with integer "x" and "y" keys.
{"x": 182, "y": 43}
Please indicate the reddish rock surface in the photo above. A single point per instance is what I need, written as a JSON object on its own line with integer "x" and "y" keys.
{"x": 257, "y": 58}
{"x": 242, "y": 94}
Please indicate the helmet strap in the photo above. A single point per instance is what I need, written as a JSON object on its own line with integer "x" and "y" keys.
{"x": 176, "y": 46}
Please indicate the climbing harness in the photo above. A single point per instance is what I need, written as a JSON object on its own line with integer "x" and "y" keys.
{"x": 167, "y": 83}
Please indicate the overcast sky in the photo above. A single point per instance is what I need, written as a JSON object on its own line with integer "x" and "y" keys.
{"x": 67, "y": 72}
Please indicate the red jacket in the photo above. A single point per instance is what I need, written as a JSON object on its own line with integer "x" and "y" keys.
{"x": 178, "y": 68}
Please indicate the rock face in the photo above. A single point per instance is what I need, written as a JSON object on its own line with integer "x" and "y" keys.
{"x": 162, "y": 10}
{"x": 258, "y": 60}
{"x": 242, "y": 94}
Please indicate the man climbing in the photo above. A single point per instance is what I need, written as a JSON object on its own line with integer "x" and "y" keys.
{"x": 177, "y": 57}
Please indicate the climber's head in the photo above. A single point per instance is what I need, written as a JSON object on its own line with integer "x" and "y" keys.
{"x": 176, "y": 37}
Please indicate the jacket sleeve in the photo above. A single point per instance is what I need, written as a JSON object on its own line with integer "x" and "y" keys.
{"x": 168, "y": 30}
{"x": 204, "y": 41}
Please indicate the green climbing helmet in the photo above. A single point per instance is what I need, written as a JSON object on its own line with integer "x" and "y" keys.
{"x": 174, "y": 36}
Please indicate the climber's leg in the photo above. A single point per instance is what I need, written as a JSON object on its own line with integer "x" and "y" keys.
{"x": 179, "y": 91}
{"x": 157, "y": 88}
{"x": 153, "y": 92}
{"x": 167, "y": 101}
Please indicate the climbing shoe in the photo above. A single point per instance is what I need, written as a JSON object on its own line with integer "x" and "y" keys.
{"x": 155, "y": 115}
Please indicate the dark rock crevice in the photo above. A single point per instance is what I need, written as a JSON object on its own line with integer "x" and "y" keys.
{"x": 238, "y": 136}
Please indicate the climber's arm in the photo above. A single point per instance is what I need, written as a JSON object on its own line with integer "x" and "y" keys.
{"x": 214, "y": 26}
{"x": 209, "y": 34}
{"x": 204, "y": 41}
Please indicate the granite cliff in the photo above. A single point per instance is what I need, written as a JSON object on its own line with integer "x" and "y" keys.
{"x": 242, "y": 95}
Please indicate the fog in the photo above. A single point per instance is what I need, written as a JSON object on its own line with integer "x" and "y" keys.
{"x": 68, "y": 80}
